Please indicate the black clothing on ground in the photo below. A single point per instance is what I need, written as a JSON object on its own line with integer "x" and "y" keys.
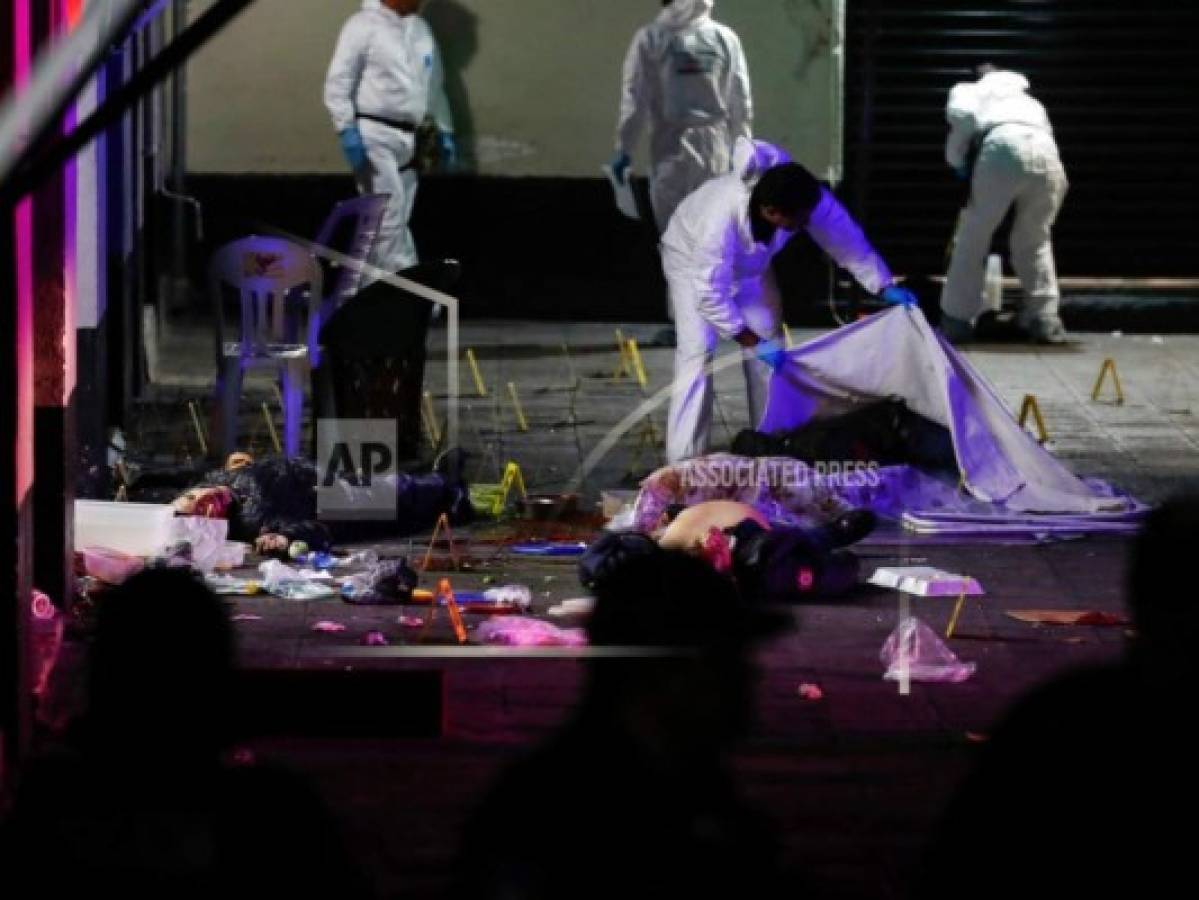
{"x": 885, "y": 432}
{"x": 791, "y": 565}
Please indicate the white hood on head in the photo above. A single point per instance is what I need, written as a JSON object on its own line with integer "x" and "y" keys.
{"x": 371, "y": 4}
{"x": 972, "y": 98}
{"x": 682, "y": 13}
{"x": 751, "y": 158}
{"x": 1002, "y": 84}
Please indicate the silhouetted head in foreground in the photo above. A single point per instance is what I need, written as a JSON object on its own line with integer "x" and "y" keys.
{"x": 634, "y": 797}
{"x": 1161, "y": 594}
{"x": 162, "y": 668}
{"x": 686, "y": 682}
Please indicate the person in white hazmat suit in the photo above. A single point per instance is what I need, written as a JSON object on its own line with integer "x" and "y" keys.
{"x": 385, "y": 77}
{"x": 716, "y": 255}
{"x": 685, "y": 77}
{"x": 1001, "y": 140}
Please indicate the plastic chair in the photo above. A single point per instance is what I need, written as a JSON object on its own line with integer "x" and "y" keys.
{"x": 267, "y": 273}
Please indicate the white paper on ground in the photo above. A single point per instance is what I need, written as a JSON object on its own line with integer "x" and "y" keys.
{"x": 925, "y": 581}
{"x": 623, "y": 191}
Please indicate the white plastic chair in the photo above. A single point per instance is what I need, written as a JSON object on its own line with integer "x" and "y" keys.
{"x": 267, "y": 273}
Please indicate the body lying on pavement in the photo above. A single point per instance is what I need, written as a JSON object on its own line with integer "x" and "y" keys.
{"x": 273, "y": 502}
{"x": 775, "y": 564}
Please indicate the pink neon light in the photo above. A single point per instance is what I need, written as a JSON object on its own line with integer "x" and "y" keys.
{"x": 22, "y": 64}
{"x": 70, "y": 10}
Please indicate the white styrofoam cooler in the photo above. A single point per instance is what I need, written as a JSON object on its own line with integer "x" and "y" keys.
{"x": 141, "y": 529}
{"x": 925, "y": 581}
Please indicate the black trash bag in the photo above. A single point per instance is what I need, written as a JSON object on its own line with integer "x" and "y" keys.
{"x": 373, "y": 363}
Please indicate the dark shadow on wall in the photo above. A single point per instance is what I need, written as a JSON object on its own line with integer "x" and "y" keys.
{"x": 456, "y": 29}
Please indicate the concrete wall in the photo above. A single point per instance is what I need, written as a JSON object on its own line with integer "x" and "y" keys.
{"x": 534, "y": 83}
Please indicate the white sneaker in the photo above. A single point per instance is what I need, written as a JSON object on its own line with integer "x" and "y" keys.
{"x": 1047, "y": 331}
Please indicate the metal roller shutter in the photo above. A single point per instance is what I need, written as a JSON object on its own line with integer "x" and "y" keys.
{"x": 1119, "y": 81}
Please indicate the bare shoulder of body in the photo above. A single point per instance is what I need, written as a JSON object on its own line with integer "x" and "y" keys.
{"x": 691, "y": 526}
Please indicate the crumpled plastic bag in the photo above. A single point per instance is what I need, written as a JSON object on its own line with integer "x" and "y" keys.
{"x": 282, "y": 580}
{"x": 390, "y": 581}
{"x": 514, "y": 595}
{"x": 520, "y": 631}
{"x": 914, "y": 651}
{"x": 231, "y": 555}
{"x": 206, "y": 537}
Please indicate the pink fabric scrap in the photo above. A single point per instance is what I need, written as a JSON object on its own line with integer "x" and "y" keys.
{"x": 327, "y": 627}
{"x": 811, "y": 692}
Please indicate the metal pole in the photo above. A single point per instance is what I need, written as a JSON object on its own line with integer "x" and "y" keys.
{"x": 178, "y": 157}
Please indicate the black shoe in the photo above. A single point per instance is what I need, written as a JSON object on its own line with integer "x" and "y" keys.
{"x": 956, "y": 331}
{"x": 849, "y": 528}
{"x": 1048, "y": 331}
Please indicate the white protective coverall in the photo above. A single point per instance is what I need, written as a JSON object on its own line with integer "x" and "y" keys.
{"x": 685, "y": 76}
{"x": 387, "y": 65}
{"x": 720, "y": 281}
{"x": 1017, "y": 163}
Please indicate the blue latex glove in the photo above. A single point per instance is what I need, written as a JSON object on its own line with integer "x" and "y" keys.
{"x": 773, "y": 353}
{"x": 620, "y": 165}
{"x": 898, "y": 296}
{"x": 449, "y": 149}
{"x": 353, "y": 148}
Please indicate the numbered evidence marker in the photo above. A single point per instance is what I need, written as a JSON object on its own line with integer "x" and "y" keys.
{"x": 445, "y": 591}
{"x": 522, "y": 423}
{"x": 1031, "y": 407}
{"x": 1109, "y": 366}
{"x": 480, "y": 387}
{"x": 443, "y": 524}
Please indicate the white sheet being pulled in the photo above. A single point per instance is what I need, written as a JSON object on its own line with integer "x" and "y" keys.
{"x": 896, "y": 353}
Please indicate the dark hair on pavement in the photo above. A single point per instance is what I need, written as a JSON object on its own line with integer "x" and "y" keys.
{"x": 788, "y": 187}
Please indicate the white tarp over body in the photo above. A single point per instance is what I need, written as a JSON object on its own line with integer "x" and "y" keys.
{"x": 896, "y": 353}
